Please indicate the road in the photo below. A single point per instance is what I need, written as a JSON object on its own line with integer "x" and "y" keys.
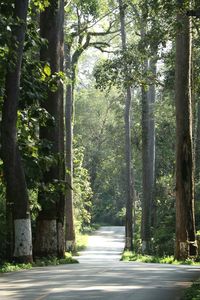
{"x": 100, "y": 276}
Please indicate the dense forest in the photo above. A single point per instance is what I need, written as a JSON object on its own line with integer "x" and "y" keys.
{"x": 100, "y": 124}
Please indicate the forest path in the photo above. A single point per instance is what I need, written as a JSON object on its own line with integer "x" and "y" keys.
{"x": 106, "y": 244}
{"x": 99, "y": 276}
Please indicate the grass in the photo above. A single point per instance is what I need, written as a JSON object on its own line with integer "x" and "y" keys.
{"x": 81, "y": 241}
{"x": 132, "y": 256}
{"x": 193, "y": 292}
{"x": 9, "y": 267}
{"x": 81, "y": 244}
{"x": 51, "y": 261}
{"x": 82, "y": 237}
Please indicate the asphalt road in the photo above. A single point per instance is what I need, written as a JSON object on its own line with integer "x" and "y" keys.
{"x": 100, "y": 276}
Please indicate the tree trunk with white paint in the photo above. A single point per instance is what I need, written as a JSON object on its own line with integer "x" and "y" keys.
{"x": 16, "y": 189}
{"x": 47, "y": 241}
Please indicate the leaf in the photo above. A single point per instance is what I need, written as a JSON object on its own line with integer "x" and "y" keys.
{"x": 47, "y": 70}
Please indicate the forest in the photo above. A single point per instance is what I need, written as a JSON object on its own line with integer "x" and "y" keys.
{"x": 99, "y": 124}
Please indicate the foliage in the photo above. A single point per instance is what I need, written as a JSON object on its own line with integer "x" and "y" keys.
{"x": 99, "y": 191}
{"x": 103, "y": 150}
{"x": 132, "y": 256}
{"x": 82, "y": 191}
{"x": 54, "y": 261}
{"x": 81, "y": 241}
{"x": 2, "y": 221}
{"x": 9, "y": 267}
{"x": 43, "y": 262}
{"x": 193, "y": 292}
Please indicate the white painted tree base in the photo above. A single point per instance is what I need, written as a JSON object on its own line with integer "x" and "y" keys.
{"x": 144, "y": 246}
{"x": 23, "y": 238}
{"x": 70, "y": 245}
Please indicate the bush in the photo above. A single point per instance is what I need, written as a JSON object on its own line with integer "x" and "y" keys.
{"x": 193, "y": 292}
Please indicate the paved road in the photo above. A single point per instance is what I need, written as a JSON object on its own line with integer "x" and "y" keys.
{"x": 100, "y": 276}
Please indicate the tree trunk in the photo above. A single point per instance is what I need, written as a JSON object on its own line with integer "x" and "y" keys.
{"x": 197, "y": 145}
{"x": 16, "y": 189}
{"x": 61, "y": 203}
{"x": 152, "y": 153}
{"x": 185, "y": 223}
{"x": 146, "y": 201}
{"x": 148, "y": 157}
{"x": 46, "y": 242}
{"x": 70, "y": 230}
{"x": 129, "y": 179}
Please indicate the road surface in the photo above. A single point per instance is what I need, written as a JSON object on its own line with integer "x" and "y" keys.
{"x": 100, "y": 276}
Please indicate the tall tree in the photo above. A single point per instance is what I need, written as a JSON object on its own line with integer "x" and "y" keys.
{"x": 129, "y": 179}
{"x": 47, "y": 241}
{"x": 148, "y": 156}
{"x": 61, "y": 207}
{"x": 70, "y": 229}
{"x": 16, "y": 189}
{"x": 79, "y": 40}
{"x": 185, "y": 223}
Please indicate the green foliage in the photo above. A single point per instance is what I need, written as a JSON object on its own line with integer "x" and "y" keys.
{"x": 102, "y": 143}
{"x": 81, "y": 241}
{"x": 82, "y": 190}
{"x": 40, "y": 4}
{"x": 52, "y": 261}
{"x": 88, "y": 7}
{"x": 132, "y": 256}
{"x": 8, "y": 267}
{"x": 193, "y": 292}
{"x": 124, "y": 69}
{"x": 164, "y": 229}
{"x": 2, "y": 218}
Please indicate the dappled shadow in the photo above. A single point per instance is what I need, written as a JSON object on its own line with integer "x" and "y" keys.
{"x": 105, "y": 245}
{"x": 105, "y": 282}
{"x": 100, "y": 275}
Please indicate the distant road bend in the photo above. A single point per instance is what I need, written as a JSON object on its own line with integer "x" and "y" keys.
{"x": 100, "y": 276}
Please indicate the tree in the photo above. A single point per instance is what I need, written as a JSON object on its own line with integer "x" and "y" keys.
{"x": 70, "y": 229}
{"x": 50, "y": 219}
{"x": 16, "y": 189}
{"x": 185, "y": 223}
{"x": 129, "y": 178}
{"x": 79, "y": 39}
{"x": 61, "y": 209}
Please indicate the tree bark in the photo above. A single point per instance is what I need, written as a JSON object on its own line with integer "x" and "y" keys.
{"x": 146, "y": 198}
{"x": 46, "y": 242}
{"x": 70, "y": 230}
{"x": 146, "y": 201}
{"x": 185, "y": 223}
{"x": 148, "y": 157}
{"x": 152, "y": 141}
{"x": 129, "y": 179}
{"x": 61, "y": 204}
{"x": 197, "y": 145}
{"x": 16, "y": 189}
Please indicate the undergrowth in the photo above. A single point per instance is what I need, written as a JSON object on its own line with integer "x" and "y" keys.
{"x": 81, "y": 242}
{"x": 82, "y": 237}
{"x": 132, "y": 256}
{"x": 193, "y": 292}
{"x": 51, "y": 261}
